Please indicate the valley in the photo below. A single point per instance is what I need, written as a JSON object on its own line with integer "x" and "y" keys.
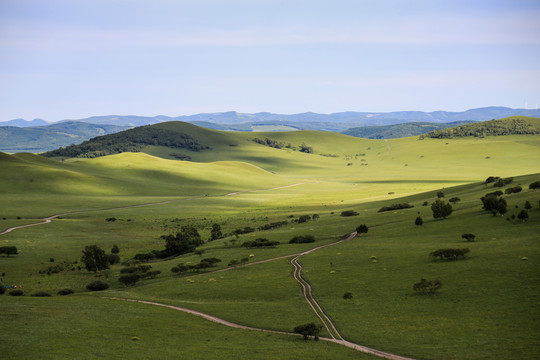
{"x": 486, "y": 307}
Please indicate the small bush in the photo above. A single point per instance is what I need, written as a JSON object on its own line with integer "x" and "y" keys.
{"x": 16, "y": 292}
{"x": 449, "y": 254}
{"x": 41, "y": 294}
{"x": 395, "y": 207}
{"x": 513, "y": 190}
{"x": 349, "y": 213}
{"x": 347, "y": 295}
{"x": 66, "y": 291}
{"x": 427, "y": 287}
{"x": 535, "y": 185}
{"x": 418, "y": 221}
{"x": 468, "y": 237}
{"x": 129, "y": 279}
{"x": 362, "y": 229}
{"x": 113, "y": 259}
{"x": 97, "y": 285}
{"x": 301, "y": 239}
{"x": 2, "y": 290}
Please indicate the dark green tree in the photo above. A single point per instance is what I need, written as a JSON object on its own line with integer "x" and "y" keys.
{"x": 455, "y": 200}
{"x": 184, "y": 242}
{"x": 216, "y": 233}
{"x": 129, "y": 279}
{"x": 468, "y": 237}
{"x": 115, "y": 249}
{"x": 94, "y": 258}
{"x": 441, "y": 209}
{"x": 308, "y": 330}
{"x": 362, "y": 229}
{"x": 9, "y": 250}
{"x": 528, "y": 205}
{"x": 523, "y": 215}
{"x": 418, "y": 221}
{"x": 440, "y": 194}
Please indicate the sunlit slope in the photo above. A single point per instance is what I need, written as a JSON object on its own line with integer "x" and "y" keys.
{"x": 344, "y": 158}
{"x": 129, "y": 174}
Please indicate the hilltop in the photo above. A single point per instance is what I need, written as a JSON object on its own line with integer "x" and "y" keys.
{"x": 516, "y": 125}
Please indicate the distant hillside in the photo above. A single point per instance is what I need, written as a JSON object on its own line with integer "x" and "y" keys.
{"x": 24, "y": 123}
{"x": 44, "y": 138}
{"x": 398, "y": 130}
{"x": 312, "y": 121}
{"x": 517, "y": 125}
{"x": 132, "y": 140}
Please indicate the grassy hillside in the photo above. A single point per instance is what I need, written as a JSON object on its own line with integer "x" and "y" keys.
{"x": 485, "y": 309}
{"x": 398, "y": 130}
{"x": 515, "y": 125}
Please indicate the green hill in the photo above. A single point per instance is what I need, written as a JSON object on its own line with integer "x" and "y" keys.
{"x": 515, "y": 125}
{"x": 486, "y": 307}
{"x": 399, "y": 130}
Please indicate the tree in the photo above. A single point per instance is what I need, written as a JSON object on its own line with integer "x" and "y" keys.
{"x": 129, "y": 279}
{"x": 494, "y": 204}
{"x": 184, "y": 242}
{"x": 362, "y": 229}
{"x": 427, "y": 287}
{"x": 216, "y": 233}
{"x": 523, "y": 215}
{"x": 94, "y": 258}
{"x": 8, "y": 250}
{"x": 308, "y": 330}
{"x": 528, "y": 205}
{"x": 440, "y": 194}
{"x": 468, "y": 237}
{"x": 441, "y": 209}
{"x": 455, "y": 200}
{"x": 115, "y": 249}
{"x": 418, "y": 221}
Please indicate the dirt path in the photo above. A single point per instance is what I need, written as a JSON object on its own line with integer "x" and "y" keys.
{"x": 50, "y": 218}
{"x": 217, "y": 320}
{"x": 388, "y": 146}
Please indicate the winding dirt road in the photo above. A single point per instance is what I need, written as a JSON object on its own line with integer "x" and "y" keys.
{"x": 50, "y": 218}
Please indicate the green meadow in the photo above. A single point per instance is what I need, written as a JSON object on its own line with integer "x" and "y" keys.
{"x": 486, "y": 308}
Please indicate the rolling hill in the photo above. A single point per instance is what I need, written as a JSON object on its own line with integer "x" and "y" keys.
{"x": 486, "y": 307}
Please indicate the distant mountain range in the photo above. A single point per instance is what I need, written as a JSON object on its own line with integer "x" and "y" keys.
{"x": 312, "y": 121}
{"x": 38, "y": 135}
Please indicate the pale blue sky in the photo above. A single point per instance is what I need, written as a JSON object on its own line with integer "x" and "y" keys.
{"x": 63, "y": 59}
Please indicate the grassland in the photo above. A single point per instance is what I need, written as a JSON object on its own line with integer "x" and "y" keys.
{"x": 487, "y": 307}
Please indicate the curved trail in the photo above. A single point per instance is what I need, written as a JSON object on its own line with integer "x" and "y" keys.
{"x": 220, "y": 321}
{"x": 50, "y": 218}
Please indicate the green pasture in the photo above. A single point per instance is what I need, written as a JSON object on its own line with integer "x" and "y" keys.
{"x": 487, "y": 307}
{"x": 82, "y": 327}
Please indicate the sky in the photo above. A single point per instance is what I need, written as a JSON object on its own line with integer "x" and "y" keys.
{"x": 65, "y": 59}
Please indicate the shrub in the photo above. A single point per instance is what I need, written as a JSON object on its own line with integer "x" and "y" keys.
{"x": 349, "y": 213}
{"x": 144, "y": 256}
{"x": 513, "y": 190}
{"x": 362, "y": 229}
{"x": 418, "y": 221}
{"x": 348, "y": 295}
{"x": 97, "y": 285}
{"x": 260, "y": 243}
{"x": 535, "y": 185}
{"x": 301, "y": 239}
{"x": 66, "y": 291}
{"x": 113, "y": 259}
{"x": 304, "y": 218}
{"x": 41, "y": 294}
{"x": 468, "y": 237}
{"x": 111, "y": 219}
{"x": 8, "y": 250}
{"x": 449, "y": 254}
{"x": 129, "y": 279}
{"x": 2, "y": 290}
{"x": 454, "y": 200}
{"x": 308, "y": 330}
{"x": 16, "y": 292}
{"x": 427, "y": 287}
{"x": 523, "y": 215}
{"x": 395, "y": 207}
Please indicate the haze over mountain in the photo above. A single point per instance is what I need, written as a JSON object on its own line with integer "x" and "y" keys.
{"x": 314, "y": 121}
